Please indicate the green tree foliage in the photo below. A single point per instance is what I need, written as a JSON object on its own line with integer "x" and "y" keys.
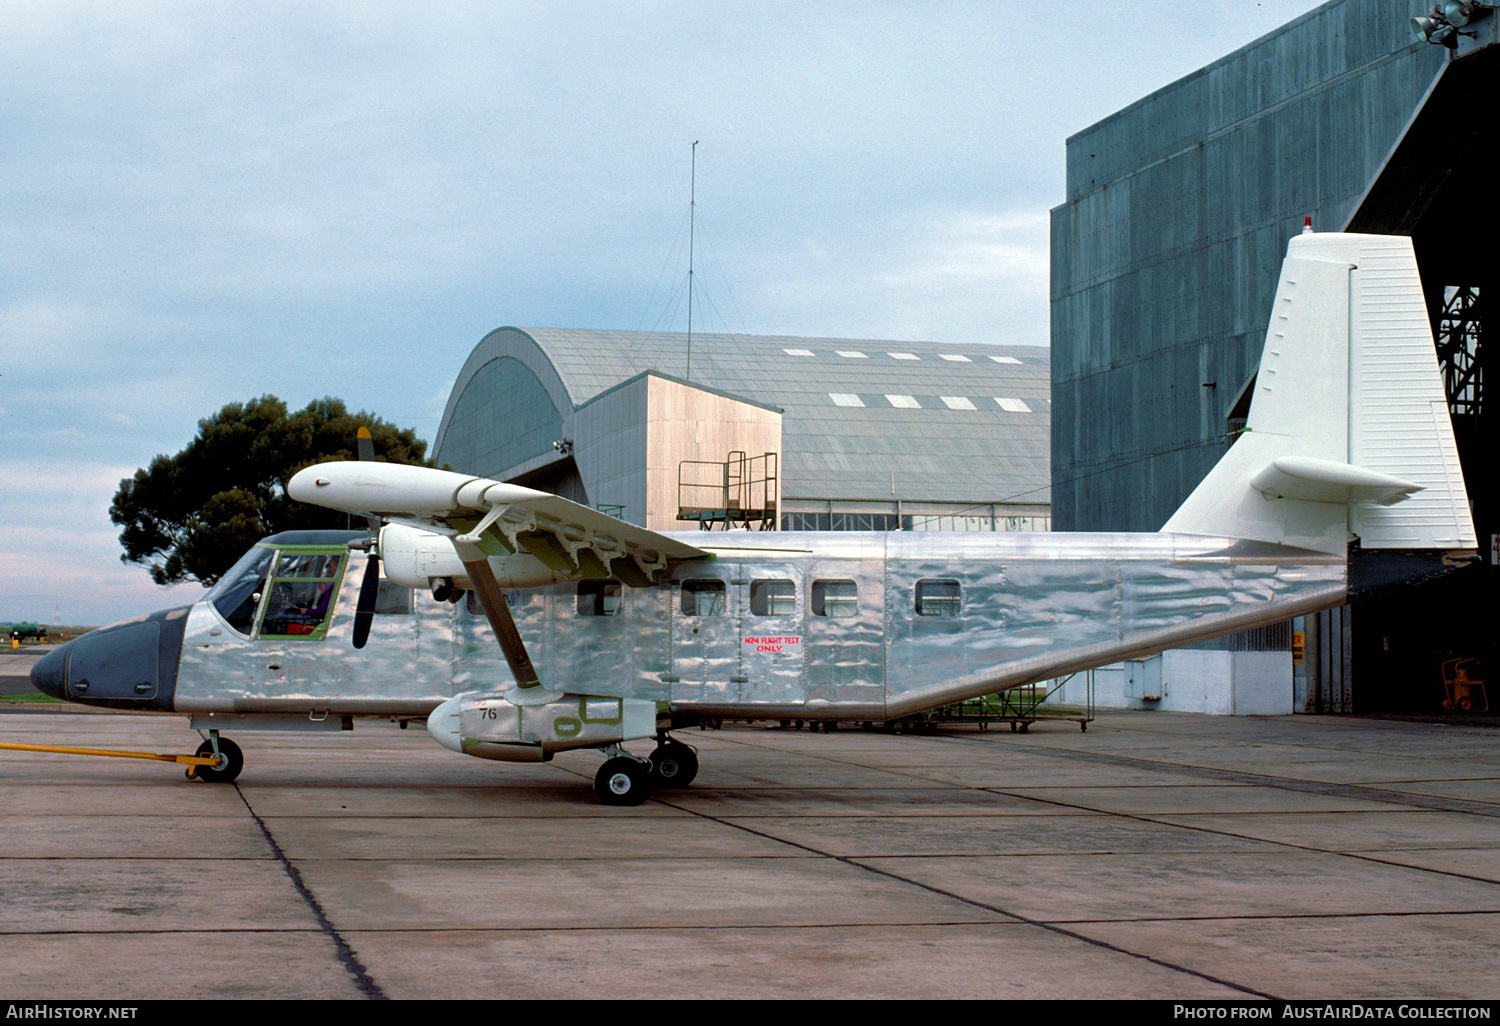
{"x": 190, "y": 516}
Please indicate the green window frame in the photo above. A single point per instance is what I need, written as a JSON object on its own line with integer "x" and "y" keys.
{"x": 302, "y": 592}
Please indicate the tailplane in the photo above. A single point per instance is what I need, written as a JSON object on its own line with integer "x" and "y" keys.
{"x": 1348, "y": 435}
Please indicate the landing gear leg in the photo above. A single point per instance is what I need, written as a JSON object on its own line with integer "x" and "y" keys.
{"x": 673, "y": 764}
{"x": 624, "y": 779}
{"x": 231, "y": 760}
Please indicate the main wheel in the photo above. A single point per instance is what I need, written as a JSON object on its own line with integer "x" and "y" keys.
{"x": 673, "y": 764}
{"x": 622, "y": 781}
{"x": 232, "y": 760}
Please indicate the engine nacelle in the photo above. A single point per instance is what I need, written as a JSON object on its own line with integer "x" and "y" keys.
{"x": 416, "y": 558}
{"x": 537, "y": 725}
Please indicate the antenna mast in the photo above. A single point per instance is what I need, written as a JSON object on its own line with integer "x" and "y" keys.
{"x": 692, "y": 214}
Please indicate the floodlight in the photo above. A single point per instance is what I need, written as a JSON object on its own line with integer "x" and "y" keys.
{"x": 1457, "y": 12}
{"x": 1435, "y": 28}
{"x": 1426, "y": 25}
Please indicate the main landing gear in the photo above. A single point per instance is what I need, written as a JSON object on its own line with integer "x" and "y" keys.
{"x": 626, "y": 779}
{"x": 673, "y": 764}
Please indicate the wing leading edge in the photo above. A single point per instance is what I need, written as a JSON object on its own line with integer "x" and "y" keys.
{"x": 491, "y": 518}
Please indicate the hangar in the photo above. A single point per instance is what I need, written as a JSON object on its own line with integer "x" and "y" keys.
{"x": 671, "y": 431}
{"x": 1166, "y": 254}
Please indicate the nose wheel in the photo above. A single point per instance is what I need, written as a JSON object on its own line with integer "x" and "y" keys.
{"x": 231, "y": 761}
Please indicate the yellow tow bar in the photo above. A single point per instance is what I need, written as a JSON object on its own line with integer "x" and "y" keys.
{"x": 185, "y": 760}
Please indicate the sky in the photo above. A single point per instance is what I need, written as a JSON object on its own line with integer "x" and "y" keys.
{"x": 202, "y": 203}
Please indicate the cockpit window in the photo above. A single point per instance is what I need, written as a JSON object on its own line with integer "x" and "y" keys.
{"x": 303, "y": 588}
{"x": 238, "y": 592}
{"x": 305, "y": 564}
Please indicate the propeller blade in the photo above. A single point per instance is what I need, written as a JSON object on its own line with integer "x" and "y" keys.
{"x": 364, "y": 609}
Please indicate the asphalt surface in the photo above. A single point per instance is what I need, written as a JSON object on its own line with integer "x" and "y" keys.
{"x": 15, "y": 668}
{"x": 1155, "y": 856}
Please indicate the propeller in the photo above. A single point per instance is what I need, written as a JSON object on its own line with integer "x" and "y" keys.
{"x": 369, "y": 588}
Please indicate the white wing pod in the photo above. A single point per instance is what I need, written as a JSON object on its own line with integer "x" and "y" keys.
{"x": 397, "y": 490}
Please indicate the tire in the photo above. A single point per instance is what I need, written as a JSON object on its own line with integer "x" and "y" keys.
{"x": 234, "y": 761}
{"x": 622, "y": 781}
{"x": 673, "y": 765}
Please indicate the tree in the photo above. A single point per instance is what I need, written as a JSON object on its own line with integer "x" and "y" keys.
{"x": 190, "y": 516}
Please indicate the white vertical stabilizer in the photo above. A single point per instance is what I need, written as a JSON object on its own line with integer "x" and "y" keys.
{"x": 1348, "y": 434}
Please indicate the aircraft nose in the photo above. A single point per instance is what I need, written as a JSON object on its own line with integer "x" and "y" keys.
{"x": 128, "y": 665}
{"x": 47, "y": 672}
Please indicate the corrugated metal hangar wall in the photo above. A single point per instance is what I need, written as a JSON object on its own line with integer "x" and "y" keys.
{"x": 1165, "y": 258}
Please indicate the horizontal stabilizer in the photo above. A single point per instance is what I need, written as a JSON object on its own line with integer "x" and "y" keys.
{"x": 1315, "y": 480}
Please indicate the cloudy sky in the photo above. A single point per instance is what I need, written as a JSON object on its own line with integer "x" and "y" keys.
{"x": 205, "y": 202}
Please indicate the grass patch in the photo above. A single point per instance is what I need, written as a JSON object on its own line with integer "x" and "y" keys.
{"x": 36, "y": 696}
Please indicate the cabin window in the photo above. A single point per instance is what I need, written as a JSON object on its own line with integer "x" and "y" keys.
{"x": 939, "y": 597}
{"x": 703, "y": 597}
{"x": 773, "y": 598}
{"x": 392, "y": 599}
{"x": 300, "y": 600}
{"x": 238, "y": 592}
{"x": 835, "y": 598}
{"x": 472, "y": 603}
{"x": 599, "y": 598}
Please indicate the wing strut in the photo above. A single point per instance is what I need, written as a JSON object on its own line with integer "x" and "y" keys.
{"x": 482, "y": 578}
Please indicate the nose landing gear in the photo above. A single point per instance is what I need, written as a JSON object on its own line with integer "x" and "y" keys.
{"x": 230, "y": 760}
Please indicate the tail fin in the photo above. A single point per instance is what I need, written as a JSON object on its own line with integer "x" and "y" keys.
{"x": 1348, "y": 435}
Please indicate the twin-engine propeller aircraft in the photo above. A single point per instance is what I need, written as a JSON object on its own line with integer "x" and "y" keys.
{"x": 1346, "y": 479}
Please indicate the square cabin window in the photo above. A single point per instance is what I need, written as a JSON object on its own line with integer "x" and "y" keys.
{"x": 392, "y": 599}
{"x": 939, "y": 597}
{"x": 773, "y": 598}
{"x": 599, "y": 598}
{"x": 476, "y": 608}
{"x": 835, "y": 598}
{"x": 703, "y": 597}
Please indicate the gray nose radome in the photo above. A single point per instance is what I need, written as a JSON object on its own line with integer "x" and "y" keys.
{"x": 131, "y": 665}
{"x": 47, "y": 672}
{"x": 115, "y": 663}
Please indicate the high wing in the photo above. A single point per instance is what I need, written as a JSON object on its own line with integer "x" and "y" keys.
{"x": 484, "y": 518}
{"x": 494, "y": 518}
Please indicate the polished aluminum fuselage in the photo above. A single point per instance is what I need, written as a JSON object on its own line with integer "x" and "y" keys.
{"x": 1032, "y": 606}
